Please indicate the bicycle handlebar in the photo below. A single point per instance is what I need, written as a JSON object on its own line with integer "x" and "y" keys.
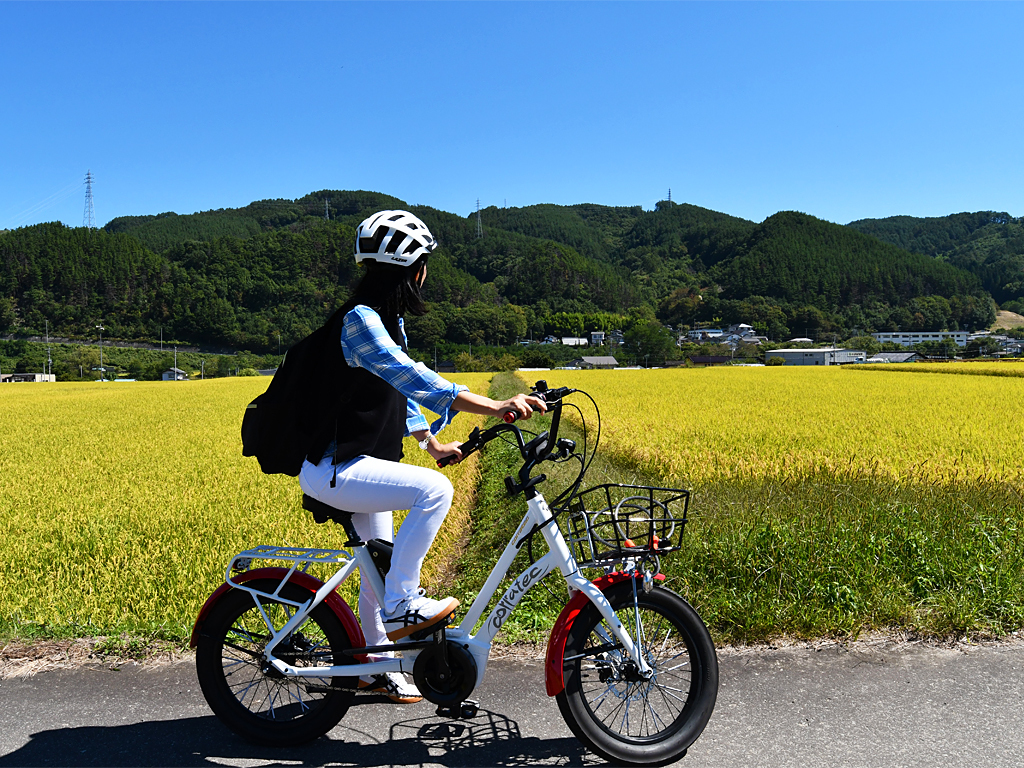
{"x": 478, "y": 439}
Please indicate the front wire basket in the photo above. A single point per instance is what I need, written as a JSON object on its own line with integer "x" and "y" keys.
{"x": 610, "y": 523}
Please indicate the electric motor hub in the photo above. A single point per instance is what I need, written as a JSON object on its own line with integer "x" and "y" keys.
{"x": 440, "y": 687}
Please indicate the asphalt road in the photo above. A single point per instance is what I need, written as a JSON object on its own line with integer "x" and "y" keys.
{"x": 864, "y": 705}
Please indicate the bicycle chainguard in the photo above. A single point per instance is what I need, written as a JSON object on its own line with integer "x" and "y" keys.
{"x": 461, "y": 710}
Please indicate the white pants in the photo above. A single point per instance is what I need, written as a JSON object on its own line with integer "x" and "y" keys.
{"x": 370, "y": 489}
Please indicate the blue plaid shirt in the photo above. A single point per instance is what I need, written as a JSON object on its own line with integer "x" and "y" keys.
{"x": 366, "y": 344}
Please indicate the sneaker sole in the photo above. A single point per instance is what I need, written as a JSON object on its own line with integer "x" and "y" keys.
{"x": 443, "y": 615}
{"x": 365, "y": 688}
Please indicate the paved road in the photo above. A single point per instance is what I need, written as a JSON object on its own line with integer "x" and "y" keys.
{"x": 867, "y": 705}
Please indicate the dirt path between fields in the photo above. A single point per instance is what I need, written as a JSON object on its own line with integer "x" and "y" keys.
{"x": 24, "y": 659}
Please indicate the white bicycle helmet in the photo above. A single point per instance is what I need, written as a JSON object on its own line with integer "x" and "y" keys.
{"x": 395, "y": 237}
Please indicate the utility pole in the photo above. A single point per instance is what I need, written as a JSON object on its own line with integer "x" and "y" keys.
{"x": 175, "y": 371}
{"x": 49, "y": 360}
{"x": 101, "y": 351}
{"x": 161, "y": 338}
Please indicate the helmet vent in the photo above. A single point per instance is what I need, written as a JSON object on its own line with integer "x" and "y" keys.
{"x": 396, "y": 240}
{"x": 372, "y": 244}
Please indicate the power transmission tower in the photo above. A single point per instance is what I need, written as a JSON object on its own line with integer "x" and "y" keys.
{"x": 89, "y": 217}
{"x": 479, "y": 225}
{"x": 670, "y": 194}
{"x": 327, "y": 209}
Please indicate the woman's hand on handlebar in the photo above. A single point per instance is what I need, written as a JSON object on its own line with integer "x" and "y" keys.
{"x": 521, "y": 407}
{"x": 438, "y": 451}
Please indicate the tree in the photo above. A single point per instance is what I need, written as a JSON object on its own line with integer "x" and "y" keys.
{"x": 648, "y": 339}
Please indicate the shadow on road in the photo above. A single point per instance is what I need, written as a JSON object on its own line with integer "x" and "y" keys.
{"x": 488, "y": 739}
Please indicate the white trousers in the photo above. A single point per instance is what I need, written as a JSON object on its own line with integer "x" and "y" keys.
{"x": 371, "y": 489}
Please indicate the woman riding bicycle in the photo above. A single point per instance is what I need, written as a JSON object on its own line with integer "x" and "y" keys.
{"x": 360, "y": 471}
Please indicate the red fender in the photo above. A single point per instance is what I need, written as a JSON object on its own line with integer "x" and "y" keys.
{"x": 560, "y": 632}
{"x": 333, "y": 601}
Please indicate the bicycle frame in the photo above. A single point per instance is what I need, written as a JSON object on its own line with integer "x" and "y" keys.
{"x": 479, "y": 645}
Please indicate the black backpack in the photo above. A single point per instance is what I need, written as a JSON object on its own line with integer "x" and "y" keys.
{"x": 297, "y": 416}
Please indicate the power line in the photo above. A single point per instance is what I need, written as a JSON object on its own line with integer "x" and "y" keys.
{"x": 42, "y": 205}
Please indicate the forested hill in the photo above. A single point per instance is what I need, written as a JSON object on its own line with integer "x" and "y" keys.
{"x": 990, "y": 244}
{"x": 242, "y": 277}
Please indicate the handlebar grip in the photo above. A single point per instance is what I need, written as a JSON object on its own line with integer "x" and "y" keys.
{"x": 509, "y": 416}
{"x": 444, "y": 461}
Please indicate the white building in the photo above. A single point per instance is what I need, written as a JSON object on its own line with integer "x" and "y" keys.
{"x": 174, "y": 374}
{"x": 820, "y": 356}
{"x": 909, "y": 339}
{"x": 14, "y": 378}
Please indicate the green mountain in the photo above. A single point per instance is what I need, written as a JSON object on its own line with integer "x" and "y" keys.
{"x": 244, "y": 277}
{"x": 989, "y": 244}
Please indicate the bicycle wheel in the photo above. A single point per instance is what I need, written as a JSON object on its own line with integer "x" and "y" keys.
{"x": 610, "y": 707}
{"x": 255, "y": 700}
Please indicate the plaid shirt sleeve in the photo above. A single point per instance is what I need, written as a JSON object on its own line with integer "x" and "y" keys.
{"x": 366, "y": 344}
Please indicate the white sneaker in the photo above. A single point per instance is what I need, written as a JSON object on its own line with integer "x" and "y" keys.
{"x": 417, "y": 612}
{"x": 393, "y": 685}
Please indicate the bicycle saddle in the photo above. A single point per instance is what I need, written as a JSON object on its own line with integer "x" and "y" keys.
{"x": 323, "y": 512}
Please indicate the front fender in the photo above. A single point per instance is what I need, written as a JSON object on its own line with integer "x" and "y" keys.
{"x": 333, "y": 601}
{"x": 553, "y": 667}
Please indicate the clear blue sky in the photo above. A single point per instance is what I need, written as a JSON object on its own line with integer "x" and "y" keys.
{"x": 843, "y": 111}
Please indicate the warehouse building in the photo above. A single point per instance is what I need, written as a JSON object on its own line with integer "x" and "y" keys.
{"x": 819, "y": 356}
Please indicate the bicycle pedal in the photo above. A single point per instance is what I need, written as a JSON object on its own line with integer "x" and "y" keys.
{"x": 422, "y": 634}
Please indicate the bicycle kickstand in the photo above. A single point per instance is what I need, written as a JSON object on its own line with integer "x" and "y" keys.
{"x": 462, "y": 710}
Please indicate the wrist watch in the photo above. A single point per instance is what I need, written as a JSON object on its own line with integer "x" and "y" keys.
{"x": 426, "y": 441}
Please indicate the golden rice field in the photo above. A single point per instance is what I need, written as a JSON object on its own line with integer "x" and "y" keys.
{"x": 1013, "y": 368}
{"x": 700, "y": 426}
{"x": 120, "y": 504}
{"x": 829, "y": 501}
{"x": 826, "y": 500}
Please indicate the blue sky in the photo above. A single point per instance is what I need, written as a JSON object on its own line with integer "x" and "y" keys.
{"x": 843, "y": 111}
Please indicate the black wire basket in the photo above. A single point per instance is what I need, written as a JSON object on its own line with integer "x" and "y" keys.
{"x": 610, "y": 523}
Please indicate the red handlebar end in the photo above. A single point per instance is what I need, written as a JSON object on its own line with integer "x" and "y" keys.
{"x": 509, "y": 417}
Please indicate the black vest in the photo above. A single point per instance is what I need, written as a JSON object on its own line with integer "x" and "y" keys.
{"x": 371, "y": 416}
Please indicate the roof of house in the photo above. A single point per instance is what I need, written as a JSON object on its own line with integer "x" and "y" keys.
{"x": 697, "y": 359}
{"x": 600, "y": 360}
{"x": 898, "y": 357}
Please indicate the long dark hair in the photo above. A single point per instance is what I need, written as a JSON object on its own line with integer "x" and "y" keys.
{"x": 392, "y": 289}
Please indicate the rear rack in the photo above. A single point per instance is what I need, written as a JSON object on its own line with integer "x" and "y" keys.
{"x": 301, "y": 558}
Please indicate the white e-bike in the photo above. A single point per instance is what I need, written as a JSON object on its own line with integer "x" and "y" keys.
{"x": 630, "y": 663}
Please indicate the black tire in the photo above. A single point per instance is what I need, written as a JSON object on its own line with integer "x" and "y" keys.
{"x": 265, "y": 707}
{"x": 616, "y": 714}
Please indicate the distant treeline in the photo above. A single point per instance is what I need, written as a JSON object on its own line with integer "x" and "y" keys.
{"x": 268, "y": 274}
